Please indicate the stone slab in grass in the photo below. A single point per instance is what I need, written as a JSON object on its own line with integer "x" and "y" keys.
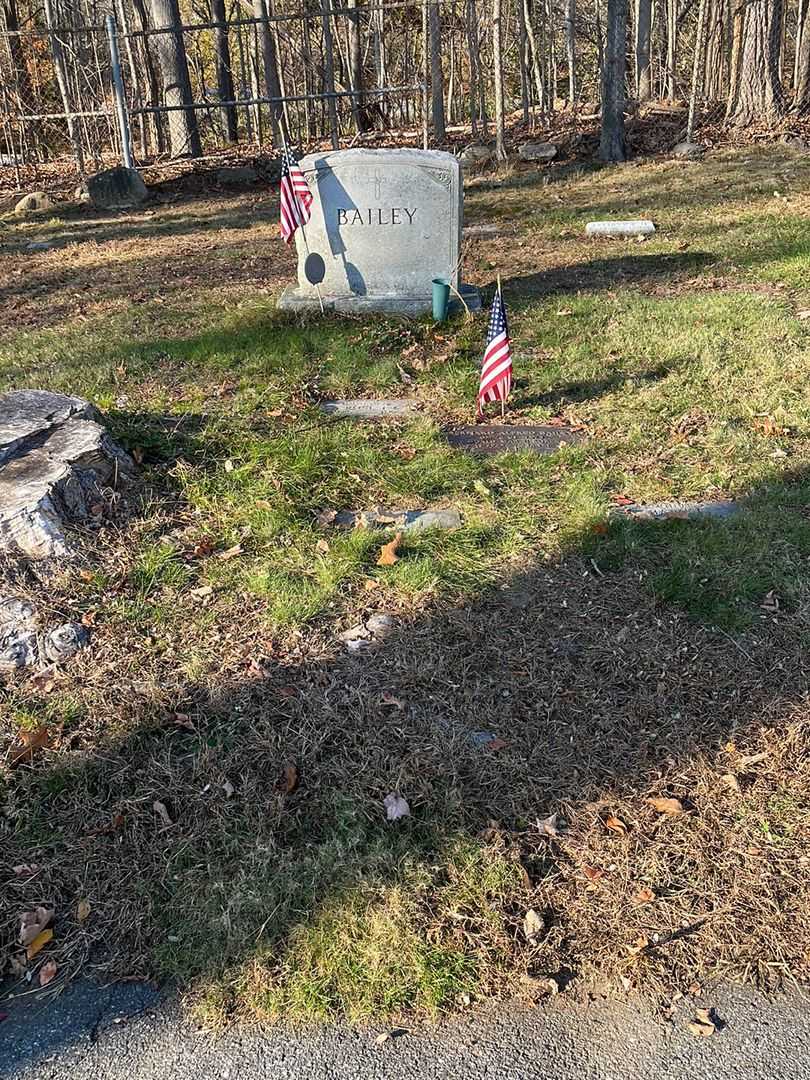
{"x": 512, "y": 438}
{"x": 406, "y": 520}
{"x": 369, "y": 408}
{"x": 619, "y": 228}
{"x": 55, "y": 459}
{"x": 679, "y": 511}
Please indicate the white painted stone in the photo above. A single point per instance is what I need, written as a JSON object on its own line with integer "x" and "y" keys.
{"x": 683, "y": 511}
{"x": 385, "y": 223}
{"x": 369, "y": 408}
{"x": 619, "y": 228}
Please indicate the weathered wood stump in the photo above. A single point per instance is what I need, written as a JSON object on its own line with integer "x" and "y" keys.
{"x": 55, "y": 459}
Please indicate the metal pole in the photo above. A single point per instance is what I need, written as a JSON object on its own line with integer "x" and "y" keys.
{"x": 120, "y": 100}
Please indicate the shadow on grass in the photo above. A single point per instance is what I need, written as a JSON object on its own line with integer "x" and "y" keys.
{"x": 280, "y": 885}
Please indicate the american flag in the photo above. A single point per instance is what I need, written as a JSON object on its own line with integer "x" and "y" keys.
{"x": 496, "y": 372}
{"x": 296, "y": 198}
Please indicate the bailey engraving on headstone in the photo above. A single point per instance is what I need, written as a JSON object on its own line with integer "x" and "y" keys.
{"x": 385, "y": 223}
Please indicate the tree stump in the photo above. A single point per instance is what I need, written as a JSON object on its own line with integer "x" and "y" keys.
{"x": 55, "y": 459}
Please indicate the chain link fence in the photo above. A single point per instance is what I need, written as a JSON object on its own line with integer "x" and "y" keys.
{"x": 403, "y": 71}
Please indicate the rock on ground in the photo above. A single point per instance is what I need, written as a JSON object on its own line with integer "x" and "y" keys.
{"x": 236, "y": 174}
{"x": 537, "y": 151}
{"x": 476, "y": 155}
{"x": 55, "y": 458}
{"x": 115, "y": 189}
{"x": 689, "y": 150}
{"x": 35, "y": 203}
{"x": 22, "y": 644}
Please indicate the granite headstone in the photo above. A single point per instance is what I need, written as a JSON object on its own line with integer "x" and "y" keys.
{"x": 385, "y": 223}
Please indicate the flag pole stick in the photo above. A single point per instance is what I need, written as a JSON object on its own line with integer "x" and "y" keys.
{"x": 301, "y": 226}
{"x": 503, "y": 402}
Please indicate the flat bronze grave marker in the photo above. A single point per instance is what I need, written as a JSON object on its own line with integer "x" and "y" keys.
{"x": 512, "y": 438}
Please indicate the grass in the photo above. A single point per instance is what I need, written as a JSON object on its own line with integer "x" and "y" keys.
{"x": 615, "y": 660}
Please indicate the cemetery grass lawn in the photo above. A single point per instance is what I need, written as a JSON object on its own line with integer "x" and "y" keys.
{"x": 546, "y": 659}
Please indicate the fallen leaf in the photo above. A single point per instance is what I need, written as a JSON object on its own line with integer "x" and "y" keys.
{"x": 553, "y": 825}
{"x": 644, "y": 896}
{"x": 204, "y": 590}
{"x": 703, "y": 1026}
{"x": 229, "y": 789}
{"x": 162, "y": 812}
{"x": 370, "y": 584}
{"x": 496, "y": 744}
{"x": 391, "y": 701}
{"x": 322, "y": 547}
{"x": 481, "y": 488}
{"x": 89, "y": 617}
{"x": 638, "y": 945}
{"x": 39, "y": 943}
{"x": 203, "y": 547}
{"x": 86, "y": 575}
{"x": 803, "y": 314}
{"x": 388, "y": 552}
{"x": 593, "y": 873}
{"x": 288, "y": 781}
{"x": 229, "y": 465}
{"x": 383, "y": 1037}
{"x": 137, "y": 455}
{"x": 396, "y": 807}
{"x": 25, "y": 869}
{"x": 325, "y": 517}
{"x": 17, "y": 965}
{"x": 671, "y": 807}
{"x": 565, "y": 311}
{"x": 27, "y": 742}
{"x": 731, "y": 782}
{"x": 33, "y": 923}
{"x": 183, "y": 720}
{"x": 615, "y": 825}
{"x": 532, "y": 925}
{"x": 82, "y": 910}
{"x": 770, "y": 602}
{"x": 230, "y": 553}
{"x": 47, "y": 972}
{"x": 407, "y": 453}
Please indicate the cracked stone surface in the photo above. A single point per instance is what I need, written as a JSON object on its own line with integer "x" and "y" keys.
{"x": 684, "y": 511}
{"x": 369, "y": 408}
{"x": 55, "y": 459}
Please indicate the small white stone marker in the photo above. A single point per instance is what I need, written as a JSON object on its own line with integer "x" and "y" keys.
{"x": 369, "y": 408}
{"x": 619, "y": 228}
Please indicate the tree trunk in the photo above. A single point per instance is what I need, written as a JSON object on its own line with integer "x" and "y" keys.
{"x": 362, "y": 121}
{"x": 612, "y": 145}
{"x": 672, "y": 41}
{"x": 184, "y": 135}
{"x": 497, "y": 64}
{"x": 696, "y": 91}
{"x": 436, "y": 72}
{"x": 643, "y": 37}
{"x": 64, "y": 91}
{"x": 523, "y": 48}
{"x": 756, "y": 93}
{"x": 802, "y": 102}
{"x": 269, "y": 68}
{"x": 570, "y": 49}
{"x": 150, "y": 74}
{"x": 222, "y": 62}
{"x": 329, "y": 72}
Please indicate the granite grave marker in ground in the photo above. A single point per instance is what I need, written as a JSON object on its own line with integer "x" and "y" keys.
{"x": 512, "y": 438}
{"x": 385, "y": 223}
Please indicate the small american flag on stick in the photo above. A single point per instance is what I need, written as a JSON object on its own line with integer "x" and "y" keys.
{"x": 296, "y": 198}
{"x": 496, "y": 371}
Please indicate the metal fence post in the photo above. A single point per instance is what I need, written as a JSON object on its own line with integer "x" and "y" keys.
{"x": 120, "y": 99}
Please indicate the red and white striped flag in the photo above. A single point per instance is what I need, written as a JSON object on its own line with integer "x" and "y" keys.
{"x": 296, "y": 198}
{"x": 496, "y": 372}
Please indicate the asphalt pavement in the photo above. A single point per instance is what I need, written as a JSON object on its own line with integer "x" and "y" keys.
{"x": 131, "y": 1032}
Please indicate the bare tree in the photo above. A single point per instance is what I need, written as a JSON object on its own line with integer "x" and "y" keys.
{"x": 643, "y": 39}
{"x": 497, "y": 65}
{"x": 570, "y": 48}
{"x": 755, "y": 91}
{"x": 436, "y": 72}
{"x": 184, "y": 135}
{"x": 802, "y": 101}
{"x": 222, "y": 61}
{"x": 612, "y": 146}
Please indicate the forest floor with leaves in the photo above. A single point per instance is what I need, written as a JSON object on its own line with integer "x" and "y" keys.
{"x": 600, "y": 727}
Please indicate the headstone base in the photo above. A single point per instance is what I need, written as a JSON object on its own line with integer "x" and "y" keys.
{"x": 294, "y": 298}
